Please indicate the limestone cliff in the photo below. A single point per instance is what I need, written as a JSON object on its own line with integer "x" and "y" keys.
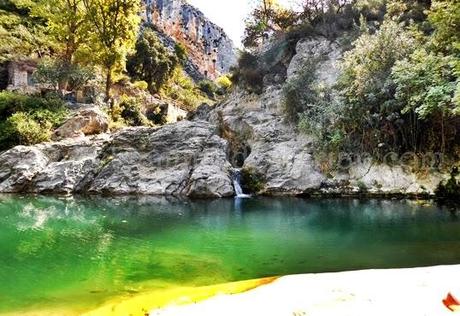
{"x": 210, "y": 51}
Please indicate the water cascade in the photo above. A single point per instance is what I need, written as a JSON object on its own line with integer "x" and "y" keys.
{"x": 237, "y": 185}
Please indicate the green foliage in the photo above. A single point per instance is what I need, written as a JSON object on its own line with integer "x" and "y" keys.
{"x": 449, "y": 189}
{"x": 224, "y": 82}
{"x": 114, "y": 26}
{"x": 268, "y": 17}
{"x": 27, "y": 120}
{"x": 131, "y": 112}
{"x": 426, "y": 84}
{"x": 299, "y": 94}
{"x": 11, "y": 102}
{"x": 182, "y": 89}
{"x": 25, "y": 130}
{"x": 252, "y": 181}
{"x": 58, "y": 73}
{"x": 152, "y": 62}
{"x": 445, "y": 17}
{"x": 367, "y": 68}
{"x": 66, "y": 23}
{"x": 249, "y": 73}
{"x": 21, "y": 34}
{"x": 371, "y": 120}
{"x": 362, "y": 187}
{"x": 181, "y": 52}
{"x": 208, "y": 87}
{"x": 396, "y": 93}
{"x": 141, "y": 85}
{"x": 329, "y": 18}
{"x": 157, "y": 115}
{"x": 408, "y": 10}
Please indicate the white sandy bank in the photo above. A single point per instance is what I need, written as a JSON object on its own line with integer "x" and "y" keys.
{"x": 407, "y": 292}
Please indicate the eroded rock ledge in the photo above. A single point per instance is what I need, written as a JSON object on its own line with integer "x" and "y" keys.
{"x": 187, "y": 159}
{"x": 190, "y": 159}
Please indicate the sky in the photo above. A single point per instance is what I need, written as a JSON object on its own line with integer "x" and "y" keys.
{"x": 229, "y": 14}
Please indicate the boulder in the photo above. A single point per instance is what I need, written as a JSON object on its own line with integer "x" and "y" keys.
{"x": 183, "y": 159}
{"x": 173, "y": 160}
{"x": 90, "y": 121}
{"x": 18, "y": 167}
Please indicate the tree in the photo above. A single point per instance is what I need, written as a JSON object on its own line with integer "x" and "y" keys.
{"x": 115, "y": 24}
{"x": 152, "y": 62}
{"x": 372, "y": 119}
{"x": 312, "y": 9}
{"x": 425, "y": 85}
{"x": 367, "y": 67}
{"x": 55, "y": 72}
{"x": 20, "y": 34}
{"x": 267, "y": 18}
{"x": 66, "y": 22}
{"x": 445, "y": 17}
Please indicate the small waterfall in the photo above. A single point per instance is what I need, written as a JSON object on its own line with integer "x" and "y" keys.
{"x": 237, "y": 185}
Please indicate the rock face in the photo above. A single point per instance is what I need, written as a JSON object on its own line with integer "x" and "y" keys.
{"x": 210, "y": 51}
{"x": 89, "y": 121}
{"x": 275, "y": 152}
{"x": 197, "y": 157}
{"x": 282, "y": 160}
{"x": 325, "y": 53}
{"x": 186, "y": 158}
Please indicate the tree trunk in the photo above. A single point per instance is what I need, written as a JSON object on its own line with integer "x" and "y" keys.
{"x": 443, "y": 137}
{"x": 108, "y": 84}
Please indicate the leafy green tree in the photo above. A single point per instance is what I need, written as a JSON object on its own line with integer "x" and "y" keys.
{"x": 114, "y": 24}
{"x": 55, "y": 72}
{"x": 426, "y": 84}
{"x": 249, "y": 72}
{"x": 152, "y": 62}
{"x": 367, "y": 67}
{"x": 209, "y": 88}
{"x": 66, "y": 22}
{"x": 445, "y": 17}
{"x": 267, "y": 18}
{"x": 20, "y": 34}
{"x": 181, "y": 52}
{"x": 27, "y": 120}
{"x": 372, "y": 119}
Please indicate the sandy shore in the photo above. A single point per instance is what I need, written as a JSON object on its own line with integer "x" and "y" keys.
{"x": 418, "y": 291}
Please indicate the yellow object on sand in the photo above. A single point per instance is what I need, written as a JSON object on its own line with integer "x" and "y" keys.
{"x": 141, "y": 304}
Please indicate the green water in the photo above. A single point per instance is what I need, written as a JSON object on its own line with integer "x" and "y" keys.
{"x": 82, "y": 252}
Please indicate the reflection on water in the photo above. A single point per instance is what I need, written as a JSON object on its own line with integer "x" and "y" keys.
{"x": 80, "y": 252}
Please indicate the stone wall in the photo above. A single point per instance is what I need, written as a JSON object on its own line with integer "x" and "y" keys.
{"x": 18, "y": 77}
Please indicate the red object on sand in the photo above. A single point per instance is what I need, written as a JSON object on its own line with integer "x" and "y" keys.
{"x": 450, "y": 302}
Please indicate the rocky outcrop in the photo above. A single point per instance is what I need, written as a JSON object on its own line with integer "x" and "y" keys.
{"x": 197, "y": 157}
{"x": 321, "y": 51}
{"x": 89, "y": 121}
{"x": 209, "y": 49}
{"x": 282, "y": 157}
{"x": 282, "y": 161}
{"x": 186, "y": 158}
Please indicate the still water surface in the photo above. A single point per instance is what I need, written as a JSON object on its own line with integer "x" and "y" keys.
{"x": 79, "y": 253}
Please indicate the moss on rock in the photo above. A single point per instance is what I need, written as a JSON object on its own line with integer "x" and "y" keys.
{"x": 252, "y": 181}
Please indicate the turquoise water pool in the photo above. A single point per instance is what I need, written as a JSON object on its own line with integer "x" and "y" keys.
{"x": 80, "y": 252}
